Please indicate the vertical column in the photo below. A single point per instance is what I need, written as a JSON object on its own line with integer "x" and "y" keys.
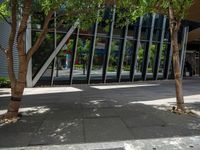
{"x": 135, "y": 50}
{"x": 106, "y": 62}
{"x": 122, "y": 53}
{"x": 159, "y": 50}
{"x": 183, "y": 48}
{"x": 73, "y": 57}
{"x": 55, "y": 45}
{"x": 146, "y": 54}
{"x": 29, "y": 80}
{"x": 91, "y": 55}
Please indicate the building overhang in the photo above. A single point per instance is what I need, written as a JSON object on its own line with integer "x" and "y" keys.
{"x": 194, "y": 16}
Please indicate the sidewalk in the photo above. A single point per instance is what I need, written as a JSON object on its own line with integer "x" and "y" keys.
{"x": 92, "y": 117}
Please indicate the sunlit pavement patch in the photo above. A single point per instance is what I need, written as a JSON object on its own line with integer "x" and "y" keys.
{"x": 36, "y": 91}
{"x": 169, "y": 102}
{"x": 181, "y": 143}
{"x": 105, "y": 87}
{"x": 29, "y": 111}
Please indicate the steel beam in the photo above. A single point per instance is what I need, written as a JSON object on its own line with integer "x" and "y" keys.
{"x": 74, "y": 57}
{"x": 54, "y": 53}
{"x": 91, "y": 55}
{"x": 29, "y": 80}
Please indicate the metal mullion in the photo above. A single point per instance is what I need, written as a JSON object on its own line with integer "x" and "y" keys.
{"x": 91, "y": 55}
{"x": 148, "y": 46}
{"x": 159, "y": 50}
{"x": 135, "y": 51}
{"x": 55, "y": 45}
{"x": 184, "y": 47}
{"x": 106, "y": 62}
{"x": 74, "y": 56}
{"x": 122, "y": 53}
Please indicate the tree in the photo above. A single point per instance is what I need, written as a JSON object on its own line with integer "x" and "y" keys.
{"x": 176, "y": 11}
{"x": 17, "y": 13}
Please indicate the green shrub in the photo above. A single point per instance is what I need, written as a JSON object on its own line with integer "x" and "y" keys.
{"x": 112, "y": 69}
{"x": 4, "y": 82}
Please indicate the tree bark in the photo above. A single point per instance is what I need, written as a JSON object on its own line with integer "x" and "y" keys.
{"x": 174, "y": 28}
{"x": 17, "y": 84}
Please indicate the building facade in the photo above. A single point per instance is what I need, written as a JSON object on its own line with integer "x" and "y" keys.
{"x": 106, "y": 52}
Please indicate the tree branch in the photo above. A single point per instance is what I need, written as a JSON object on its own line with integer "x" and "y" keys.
{"x": 25, "y": 16}
{"x": 57, "y": 26}
{"x": 5, "y": 18}
{"x": 41, "y": 37}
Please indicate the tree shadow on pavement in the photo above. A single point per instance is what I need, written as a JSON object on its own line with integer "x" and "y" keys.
{"x": 51, "y": 119}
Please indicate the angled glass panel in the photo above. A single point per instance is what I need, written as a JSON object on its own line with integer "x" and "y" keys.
{"x": 81, "y": 61}
{"x": 163, "y": 58}
{"x": 144, "y": 33}
{"x": 156, "y": 33}
{"x": 104, "y": 25}
{"x": 140, "y": 60}
{"x": 44, "y": 51}
{"x": 132, "y": 31}
{"x": 152, "y": 54}
{"x": 127, "y": 59}
{"x": 114, "y": 59}
{"x": 158, "y": 21}
{"x": 99, "y": 57}
{"x": 63, "y": 62}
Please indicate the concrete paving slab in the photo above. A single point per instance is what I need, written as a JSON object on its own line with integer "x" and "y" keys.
{"x": 105, "y": 129}
{"x": 162, "y": 132}
{"x": 100, "y": 112}
{"x": 63, "y": 114}
{"x": 13, "y": 139}
{"x": 99, "y": 103}
{"x": 130, "y": 110}
{"x": 59, "y": 132}
{"x": 143, "y": 121}
{"x": 22, "y": 125}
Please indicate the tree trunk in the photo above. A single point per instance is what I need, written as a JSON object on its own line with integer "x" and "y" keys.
{"x": 17, "y": 84}
{"x": 15, "y": 101}
{"x": 174, "y": 28}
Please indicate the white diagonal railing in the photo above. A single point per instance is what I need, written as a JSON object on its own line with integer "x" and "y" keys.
{"x": 54, "y": 53}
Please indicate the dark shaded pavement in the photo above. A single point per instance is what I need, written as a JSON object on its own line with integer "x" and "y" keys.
{"x": 94, "y": 115}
